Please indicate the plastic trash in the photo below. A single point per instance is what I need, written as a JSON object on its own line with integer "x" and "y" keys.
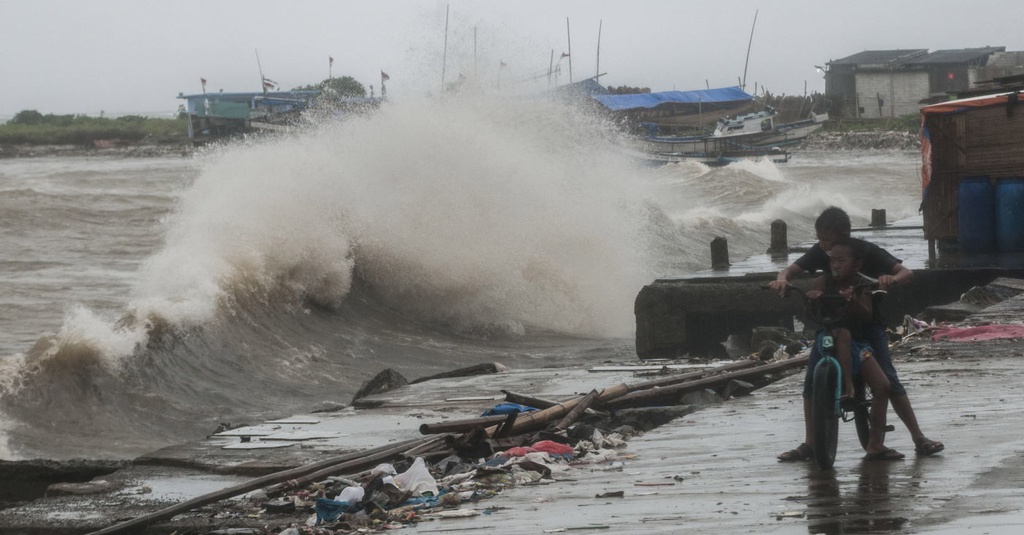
{"x": 506, "y": 408}
{"x": 351, "y": 495}
{"x": 417, "y": 479}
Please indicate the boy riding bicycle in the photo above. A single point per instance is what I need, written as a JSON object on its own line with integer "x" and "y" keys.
{"x": 832, "y": 225}
{"x": 852, "y": 349}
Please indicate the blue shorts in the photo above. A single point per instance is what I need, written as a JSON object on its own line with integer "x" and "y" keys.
{"x": 879, "y": 343}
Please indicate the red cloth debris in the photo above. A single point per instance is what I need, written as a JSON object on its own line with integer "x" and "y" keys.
{"x": 550, "y": 446}
{"x": 983, "y": 332}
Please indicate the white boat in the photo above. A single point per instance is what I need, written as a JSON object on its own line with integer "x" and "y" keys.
{"x": 748, "y": 135}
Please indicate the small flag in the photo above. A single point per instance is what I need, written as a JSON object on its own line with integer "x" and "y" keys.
{"x": 564, "y": 55}
{"x": 503, "y": 65}
{"x": 268, "y": 83}
{"x": 384, "y": 76}
{"x": 203, "y": 81}
{"x": 330, "y": 61}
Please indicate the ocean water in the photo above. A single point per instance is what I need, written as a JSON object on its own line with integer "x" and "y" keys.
{"x": 147, "y": 300}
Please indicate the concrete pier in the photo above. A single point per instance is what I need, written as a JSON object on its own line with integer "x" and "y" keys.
{"x": 695, "y": 315}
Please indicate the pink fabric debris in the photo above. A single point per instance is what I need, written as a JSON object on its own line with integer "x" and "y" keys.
{"x": 518, "y": 451}
{"x": 983, "y": 332}
{"x": 550, "y": 446}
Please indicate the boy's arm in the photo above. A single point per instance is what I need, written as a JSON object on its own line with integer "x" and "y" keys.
{"x": 782, "y": 279}
{"x": 900, "y": 275}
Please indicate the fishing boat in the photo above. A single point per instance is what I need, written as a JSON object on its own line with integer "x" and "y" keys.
{"x": 742, "y": 136}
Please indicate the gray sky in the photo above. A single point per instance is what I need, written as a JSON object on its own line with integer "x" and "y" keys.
{"x": 121, "y": 56}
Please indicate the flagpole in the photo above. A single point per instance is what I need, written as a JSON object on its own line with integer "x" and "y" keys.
{"x": 568, "y": 37}
{"x": 263, "y": 85}
{"x": 598, "y": 73}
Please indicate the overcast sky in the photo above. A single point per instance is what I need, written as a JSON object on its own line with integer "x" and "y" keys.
{"x": 136, "y": 56}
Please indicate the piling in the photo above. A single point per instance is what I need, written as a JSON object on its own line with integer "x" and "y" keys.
{"x": 719, "y": 253}
{"x": 878, "y": 218}
{"x": 779, "y": 245}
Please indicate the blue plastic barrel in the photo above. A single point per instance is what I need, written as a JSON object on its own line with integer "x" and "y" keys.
{"x": 1010, "y": 214}
{"x": 976, "y": 215}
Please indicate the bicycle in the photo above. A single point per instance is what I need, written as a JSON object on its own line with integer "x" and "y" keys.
{"x": 828, "y": 406}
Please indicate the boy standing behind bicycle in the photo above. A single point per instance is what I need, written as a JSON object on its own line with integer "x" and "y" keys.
{"x": 852, "y": 349}
{"x": 832, "y": 225}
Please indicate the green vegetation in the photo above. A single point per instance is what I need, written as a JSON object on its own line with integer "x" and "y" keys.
{"x": 342, "y": 87}
{"x": 29, "y": 127}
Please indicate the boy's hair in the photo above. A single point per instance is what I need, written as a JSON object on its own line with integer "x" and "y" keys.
{"x": 858, "y": 248}
{"x": 833, "y": 219}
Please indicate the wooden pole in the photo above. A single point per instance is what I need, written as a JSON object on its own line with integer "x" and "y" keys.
{"x": 671, "y": 394}
{"x": 779, "y": 246}
{"x": 719, "y": 253}
{"x": 576, "y": 411}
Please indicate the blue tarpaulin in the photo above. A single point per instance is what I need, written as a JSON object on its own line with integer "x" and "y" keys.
{"x": 652, "y": 100}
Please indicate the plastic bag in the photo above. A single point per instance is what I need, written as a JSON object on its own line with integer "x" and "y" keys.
{"x": 417, "y": 479}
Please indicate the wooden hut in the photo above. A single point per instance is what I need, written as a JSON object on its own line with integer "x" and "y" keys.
{"x": 968, "y": 138}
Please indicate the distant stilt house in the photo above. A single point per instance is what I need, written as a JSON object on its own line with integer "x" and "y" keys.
{"x": 893, "y": 83}
{"x": 217, "y": 115}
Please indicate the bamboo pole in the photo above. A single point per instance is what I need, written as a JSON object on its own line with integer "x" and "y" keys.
{"x": 338, "y": 463}
{"x": 457, "y": 426}
{"x": 657, "y": 396}
{"x": 576, "y": 411}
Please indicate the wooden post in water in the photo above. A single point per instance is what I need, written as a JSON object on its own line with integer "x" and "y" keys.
{"x": 878, "y": 218}
{"x": 719, "y": 253}
{"x": 779, "y": 246}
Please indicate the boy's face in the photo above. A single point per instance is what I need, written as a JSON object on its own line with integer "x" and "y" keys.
{"x": 826, "y": 239}
{"x": 842, "y": 262}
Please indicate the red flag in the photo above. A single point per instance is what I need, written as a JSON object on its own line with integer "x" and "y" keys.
{"x": 330, "y": 61}
{"x": 384, "y": 76}
{"x": 564, "y": 55}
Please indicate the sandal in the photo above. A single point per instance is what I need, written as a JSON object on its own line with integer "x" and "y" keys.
{"x": 926, "y": 447}
{"x": 888, "y": 454}
{"x": 802, "y": 452}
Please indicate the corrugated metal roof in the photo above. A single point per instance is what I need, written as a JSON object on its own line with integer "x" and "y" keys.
{"x": 962, "y": 55}
{"x": 880, "y": 57}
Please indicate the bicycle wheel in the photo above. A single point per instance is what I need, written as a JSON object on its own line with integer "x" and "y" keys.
{"x": 824, "y": 420}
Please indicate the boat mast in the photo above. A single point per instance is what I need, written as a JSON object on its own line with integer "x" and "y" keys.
{"x": 568, "y": 37}
{"x": 743, "y": 85}
{"x": 444, "y": 54}
{"x": 598, "y": 73}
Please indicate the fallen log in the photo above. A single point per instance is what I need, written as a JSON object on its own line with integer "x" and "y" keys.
{"x": 670, "y": 395}
{"x": 478, "y": 369}
{"x": 338, "y": 463}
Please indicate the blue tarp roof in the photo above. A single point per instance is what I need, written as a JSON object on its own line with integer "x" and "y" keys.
{"x": 651, "y": 100}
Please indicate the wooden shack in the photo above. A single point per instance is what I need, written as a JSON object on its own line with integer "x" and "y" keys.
{"x": 974, "y": 137}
